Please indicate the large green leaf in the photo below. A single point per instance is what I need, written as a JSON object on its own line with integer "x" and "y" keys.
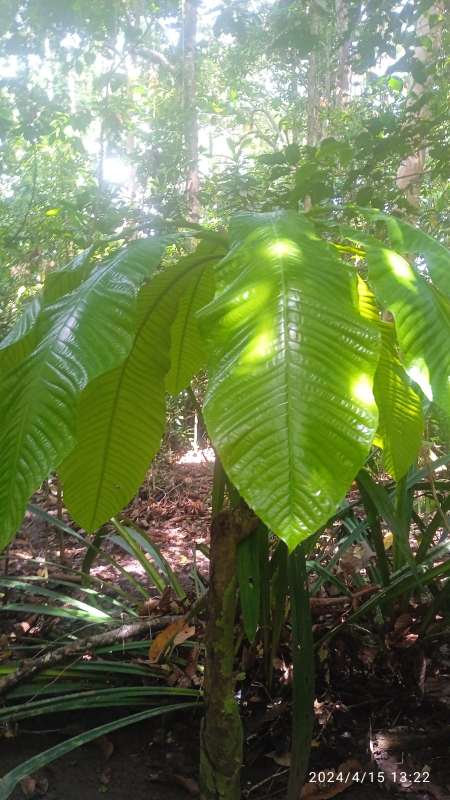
{"x": 122, "y": 413}
{"x": 400, "y": 408}
{"x": 19, "y": 341}
{"x": 406, "y": 240}
{"x": 422, "y": 321}
{"x": 187, "y": 349}
{"x": 25, "y": 333}
{"x": 84, "y": 334}
{"x": 289, "y": 406}
{"x": 65, "y": 279}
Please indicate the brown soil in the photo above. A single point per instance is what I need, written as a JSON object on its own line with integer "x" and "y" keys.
{"x": 142, "y": 766}
{"x": 172, "y": 508}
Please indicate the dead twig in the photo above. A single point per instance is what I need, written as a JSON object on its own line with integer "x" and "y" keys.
{"x": 319, "y": 603}
{"x": 36, "y": 665}
{"x": 127, "y": 631}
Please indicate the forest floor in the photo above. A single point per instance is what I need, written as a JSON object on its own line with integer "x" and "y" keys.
{"x": 382, "y": 721}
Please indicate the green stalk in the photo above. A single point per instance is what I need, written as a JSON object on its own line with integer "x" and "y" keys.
{"x": 94, "y": 548}
{"x": 278, "y": 592}
{"x": 376, "y": 534}
{"x": 303, "y": 664}
{"x": 401, "y": 546}
{"x": 218, "y": 490}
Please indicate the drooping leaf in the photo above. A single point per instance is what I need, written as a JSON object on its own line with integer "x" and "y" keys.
{"x": 422, "y": 321}
{"x": 91, "y": 698}
{"x": 125, "y": 540}
{"x": 381, "y": 499}
{"x": 407, "y": 239}
{"x": 152, "y": 549}
{"x": 187, "y": 350}
{"x": 401, "y": 419}
{"x": 289, "y": 406}
{"x": 121, "y": 415}
{"x": 84, "y": 334}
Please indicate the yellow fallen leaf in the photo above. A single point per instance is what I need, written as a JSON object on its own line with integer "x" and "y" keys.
{"x": 167, "y": 636}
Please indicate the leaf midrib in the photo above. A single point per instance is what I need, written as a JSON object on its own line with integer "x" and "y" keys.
{"x": 286, "y": 369}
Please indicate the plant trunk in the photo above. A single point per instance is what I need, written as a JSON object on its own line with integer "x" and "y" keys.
{"x": 221, "y": 734}
{"x": 190, "y": 109}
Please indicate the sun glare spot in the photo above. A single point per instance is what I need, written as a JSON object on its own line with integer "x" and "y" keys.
{"x": 261, "y": 347}
{"x": 362, "y": 390}
{"x": 284, "y": 247}
{"x": 420, "y": 374}
{"x": 400, "y": 267}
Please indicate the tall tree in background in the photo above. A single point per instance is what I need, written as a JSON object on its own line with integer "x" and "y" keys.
{"x": 190, "y": 113}
{"x": 425, "y": 53}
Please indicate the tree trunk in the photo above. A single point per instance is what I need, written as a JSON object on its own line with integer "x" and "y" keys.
{"x": 190, "y": 12}
{"x": 343, "y": 66}
{"x": 313, "y": 124}
{"x": 410, "y": 171}
{"x": 221, "y": 734}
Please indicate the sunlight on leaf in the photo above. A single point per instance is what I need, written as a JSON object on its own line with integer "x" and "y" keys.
{"x": 362, "y": 391}
{"x": 401, "y": 269}
{"x": 290, "y": 376}
{"x": 262, "y": 347}
{"x": 284, "y": 248}
{"x": 419, "y": 372}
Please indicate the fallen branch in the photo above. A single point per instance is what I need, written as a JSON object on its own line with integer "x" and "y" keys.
{"x": 32, "y": 667}
{"x": 127, "y": 631}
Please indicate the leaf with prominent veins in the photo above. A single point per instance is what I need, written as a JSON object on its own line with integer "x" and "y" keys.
{"x": 121, "y": 416}
{"x": 422, "y": 321}
{"x": 290, "y": 406}
{"x": 86, "y": 333}
{"x": 400, "y": 408}
{"x": 187, "y": 350}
